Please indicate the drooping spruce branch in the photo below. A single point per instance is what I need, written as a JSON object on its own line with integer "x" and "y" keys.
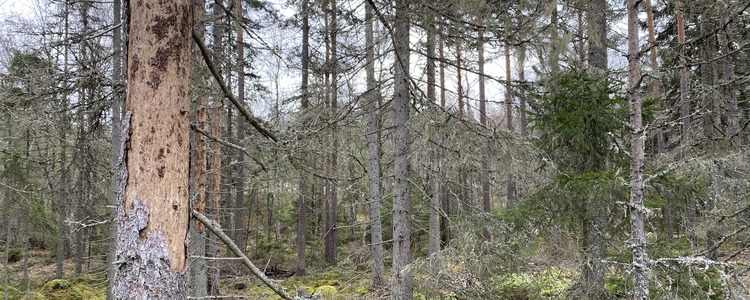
{"x": 228, "y": 94}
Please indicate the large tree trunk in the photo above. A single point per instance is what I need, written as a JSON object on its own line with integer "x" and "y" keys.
{"x": 116, "y": 141}
{"x": 373, "y": 150}
{"x": 402, "y": 275}
{"x": 154, "y": 217}
{"x": 239, "y": 201}
{"x": 305, "y": 102}
{"x": 637, "y": 210}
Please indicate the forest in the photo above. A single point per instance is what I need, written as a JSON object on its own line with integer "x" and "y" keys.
{"x": 371, "y": 149}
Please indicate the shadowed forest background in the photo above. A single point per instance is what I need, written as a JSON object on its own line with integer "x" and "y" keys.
{"x": 408, "y": 149}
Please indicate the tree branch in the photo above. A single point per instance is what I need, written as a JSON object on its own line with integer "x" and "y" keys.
{"x": 228, "y": 94}
{"x": 236, "y": 250}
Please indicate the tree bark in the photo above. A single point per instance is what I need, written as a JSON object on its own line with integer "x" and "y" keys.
{"x": 401, "y": 288}
{"x": 637, "y": 210}
{"x": 373, "y": 150}
{"x": 154, "y": 217}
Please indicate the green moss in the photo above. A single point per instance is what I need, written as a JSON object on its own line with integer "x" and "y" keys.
{"x": 327, "y": 291}
{"x": 60, "y": 289}
{"x": 13, "y": 293}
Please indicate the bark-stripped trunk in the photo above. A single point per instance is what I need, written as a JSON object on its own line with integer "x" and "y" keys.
{"x": 685, "y": 112}
{"x": 198, "y": 234}
{"x": 401, "y": 288}
{"x": 114, "y": 193}
{"x": 373, "y": 150}
{"x": 154, "y": 217}
{"x": 432, "y": 181}
{"x": 239, "y": 201}
{"x": 637, "y": 210}
{"x": 212, "y": 247}
{"x": 303, "y": 192}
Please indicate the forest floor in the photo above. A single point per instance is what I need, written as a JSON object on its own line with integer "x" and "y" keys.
{"x": 546, "y": 273}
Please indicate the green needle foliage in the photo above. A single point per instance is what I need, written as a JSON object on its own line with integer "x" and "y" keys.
{"x": 577, "y": 120}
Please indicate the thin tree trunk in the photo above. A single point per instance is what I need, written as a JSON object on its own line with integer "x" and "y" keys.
{"x": 733, "y": 111}
{"x": 239, "y": 204}
{"x": 685, "y": 112}
{"x": 373, "y": 150}
{"x": 303, "y": 192}
{"x": 459, "y": 83}
{"x": 510, "y": 192}
{"x": 485, "y": 169}
{"x": 332, "y": 236}
{"x": 62, "y": 205}
{"x": 7, "y": 247}
{"x": 401, "y": 288}
{"x": 443, "y": 178}
{"x": 660, "y": 141}
{"x": 212, "y": 248}
{"x": 154, "y": 218}
{"x": 432, "y": 180}
{"x": 117, "y": 95}
{"x": 198, "y": 234}
{"x": 522, "y": 79}
{"x": 637, "y": 210}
